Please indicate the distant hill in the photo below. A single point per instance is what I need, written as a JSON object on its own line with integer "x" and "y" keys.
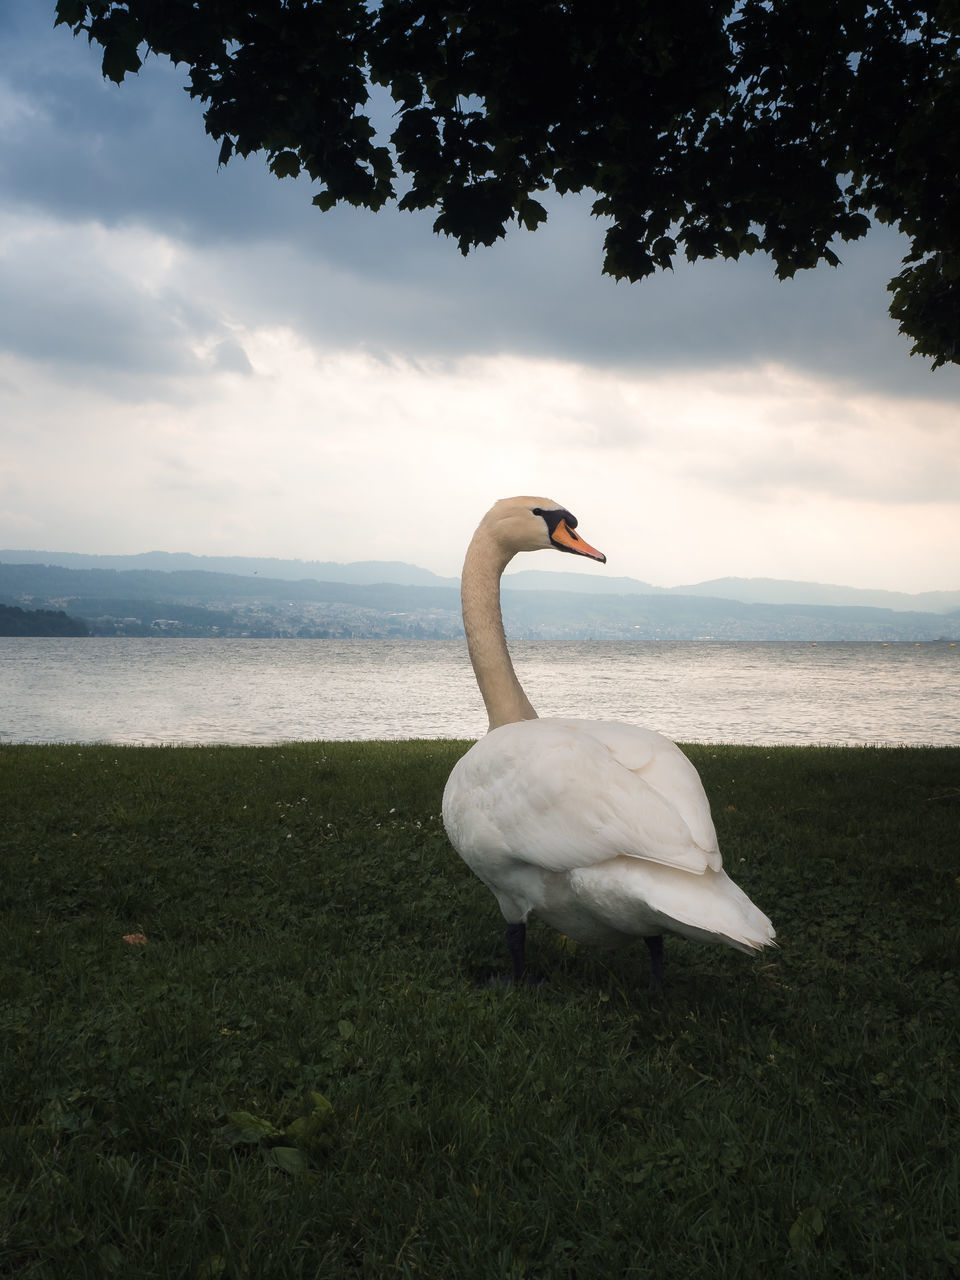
{"x": 360, "y": 571}
{"x": 592, "y": 581}
{"x": 780, "y": 591}
{"x": 15, "y": 621}
{"x": 204, "y": 603}
{"x": 746, "y": 590}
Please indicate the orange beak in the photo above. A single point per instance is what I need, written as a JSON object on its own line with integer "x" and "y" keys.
{"x": 566, "y": 539}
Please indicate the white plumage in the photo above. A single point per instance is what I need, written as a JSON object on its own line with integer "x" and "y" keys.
{"x": 601, "y": 829}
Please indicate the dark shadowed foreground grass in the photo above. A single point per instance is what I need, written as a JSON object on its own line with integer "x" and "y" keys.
{"x": 301, "y": 1071}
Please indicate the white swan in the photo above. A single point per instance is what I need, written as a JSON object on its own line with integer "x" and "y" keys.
{"x": 602, "y": 829}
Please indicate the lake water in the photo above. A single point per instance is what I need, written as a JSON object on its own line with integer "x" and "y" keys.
{"x": 265, "y": 691}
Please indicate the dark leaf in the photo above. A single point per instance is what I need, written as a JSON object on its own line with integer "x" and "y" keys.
{"x": 286, "y": 164}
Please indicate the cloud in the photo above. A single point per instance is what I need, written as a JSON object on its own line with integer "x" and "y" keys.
{"x": 343, "y": 456}
{"x": 84, "y": 299}
{"x": 784, "y": 434}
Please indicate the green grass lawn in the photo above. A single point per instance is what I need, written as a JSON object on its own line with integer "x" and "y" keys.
{"x": 303, "y": 1070}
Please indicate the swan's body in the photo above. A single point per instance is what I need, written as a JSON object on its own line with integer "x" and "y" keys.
{"x": 601, "y": 829}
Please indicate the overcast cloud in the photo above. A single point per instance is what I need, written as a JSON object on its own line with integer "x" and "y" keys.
{"x": 196, "y": 359}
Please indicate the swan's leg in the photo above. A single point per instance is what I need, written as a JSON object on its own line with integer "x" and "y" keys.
{"x": 516, "y": 941}
{"x": 655, "y": 947}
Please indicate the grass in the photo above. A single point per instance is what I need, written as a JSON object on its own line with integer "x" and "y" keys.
{"x": 302, "y": 1071}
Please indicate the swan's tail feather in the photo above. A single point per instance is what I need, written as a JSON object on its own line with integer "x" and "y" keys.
{"x": 742, "y": 941}
{"x": 640, "y": 898}
{"x": 732, "y": 919}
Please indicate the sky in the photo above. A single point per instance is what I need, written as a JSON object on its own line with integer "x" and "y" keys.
{"x": 196, "y": 359}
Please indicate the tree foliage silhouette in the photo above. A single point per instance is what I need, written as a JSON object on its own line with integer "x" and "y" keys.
{"x": 700, "y": 127}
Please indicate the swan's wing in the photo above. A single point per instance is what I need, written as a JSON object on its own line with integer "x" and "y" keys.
{"x": 565, "y": 794}
{"x": 662, "y": 764}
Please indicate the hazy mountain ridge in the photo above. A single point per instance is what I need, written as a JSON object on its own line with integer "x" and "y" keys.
{"x": 784, "y": 591}
{"x": 358, "y": 571}
{"x": 744, "y": 590}
{"x": 400, "y": 573}
{"x": 204, "y": 603}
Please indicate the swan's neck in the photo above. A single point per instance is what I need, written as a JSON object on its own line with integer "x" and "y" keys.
{"x": 502, "y": 693}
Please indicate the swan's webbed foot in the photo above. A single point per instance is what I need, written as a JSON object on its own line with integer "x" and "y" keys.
{"x": 655, "y": 947}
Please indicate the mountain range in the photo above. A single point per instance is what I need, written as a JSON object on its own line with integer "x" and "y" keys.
{"x": 182, "y": 594}
{"x": 745, "y": 590}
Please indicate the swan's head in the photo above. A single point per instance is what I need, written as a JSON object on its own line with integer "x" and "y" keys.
{"x": 536, "y": 524}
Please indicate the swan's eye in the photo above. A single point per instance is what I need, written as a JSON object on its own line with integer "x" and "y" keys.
{"x": 554, "y": 517}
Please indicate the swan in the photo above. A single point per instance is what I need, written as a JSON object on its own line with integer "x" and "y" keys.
{"x": 601, "y": 829}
